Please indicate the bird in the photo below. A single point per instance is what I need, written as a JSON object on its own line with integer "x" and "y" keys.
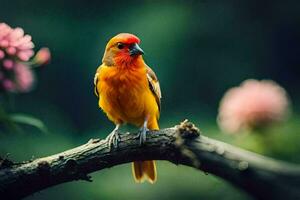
{"x": 129, "y": 92}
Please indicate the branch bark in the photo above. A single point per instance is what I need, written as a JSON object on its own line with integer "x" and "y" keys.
{"x": 261, "y": 177}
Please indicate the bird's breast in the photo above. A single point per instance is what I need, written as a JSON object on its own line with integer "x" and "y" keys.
{"x": 124, "y": 91}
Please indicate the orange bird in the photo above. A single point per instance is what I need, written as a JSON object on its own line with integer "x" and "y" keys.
{"x": 129, "y": 92}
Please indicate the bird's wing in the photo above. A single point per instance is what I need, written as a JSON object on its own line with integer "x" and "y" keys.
{"x": 96, "y": 81}
{"x": 154, "y": 85}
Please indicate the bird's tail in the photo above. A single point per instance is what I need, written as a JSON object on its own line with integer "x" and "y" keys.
{"x": 144, "y": 170}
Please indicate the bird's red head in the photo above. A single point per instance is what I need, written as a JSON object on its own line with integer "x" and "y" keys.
{"x": 123, "y": 49}
{"x": 126, "y": 38}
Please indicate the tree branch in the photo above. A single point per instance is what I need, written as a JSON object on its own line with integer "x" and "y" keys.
{"x": 261, "y": 177}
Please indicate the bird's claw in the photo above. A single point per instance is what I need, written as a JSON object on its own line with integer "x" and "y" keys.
{"x": 113, "y": 139}
{"x": 142, "y": 135}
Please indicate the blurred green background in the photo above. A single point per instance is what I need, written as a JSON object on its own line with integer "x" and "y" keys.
{"x": 198, "y": 49}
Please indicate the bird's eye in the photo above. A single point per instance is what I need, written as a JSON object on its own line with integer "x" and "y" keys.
{"x": 120, "y": 45}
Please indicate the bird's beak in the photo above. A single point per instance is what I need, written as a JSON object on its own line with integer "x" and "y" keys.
{"x": 135, "y": 49}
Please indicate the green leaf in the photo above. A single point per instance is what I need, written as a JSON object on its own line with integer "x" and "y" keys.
{"x": 29, "y": 120}
{"x": 8, "y": 123}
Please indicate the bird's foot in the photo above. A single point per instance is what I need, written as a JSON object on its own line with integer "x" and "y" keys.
{"x": 142, "y": 135}
{"x": 113, "y": 139}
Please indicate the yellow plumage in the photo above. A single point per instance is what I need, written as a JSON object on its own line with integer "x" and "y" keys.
{"x": 129, "y": 92}
{"x": 125, "y": 96}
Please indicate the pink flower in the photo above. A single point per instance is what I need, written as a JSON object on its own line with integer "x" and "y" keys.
{"x": 254, "y": 103}
{"x": 23, "y": 77}
{"x": 1, "y": 54}
{"x": 8, "y": 85}
{"x": 15, "y": 43}
{"x": 16, "y": 50}
{"x": 43, "y": 56}
{"x": 8, "y": 64}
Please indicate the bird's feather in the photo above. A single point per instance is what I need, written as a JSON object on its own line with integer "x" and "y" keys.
{"x": 96, "y": 82}
{"x": 154, "y": 85}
